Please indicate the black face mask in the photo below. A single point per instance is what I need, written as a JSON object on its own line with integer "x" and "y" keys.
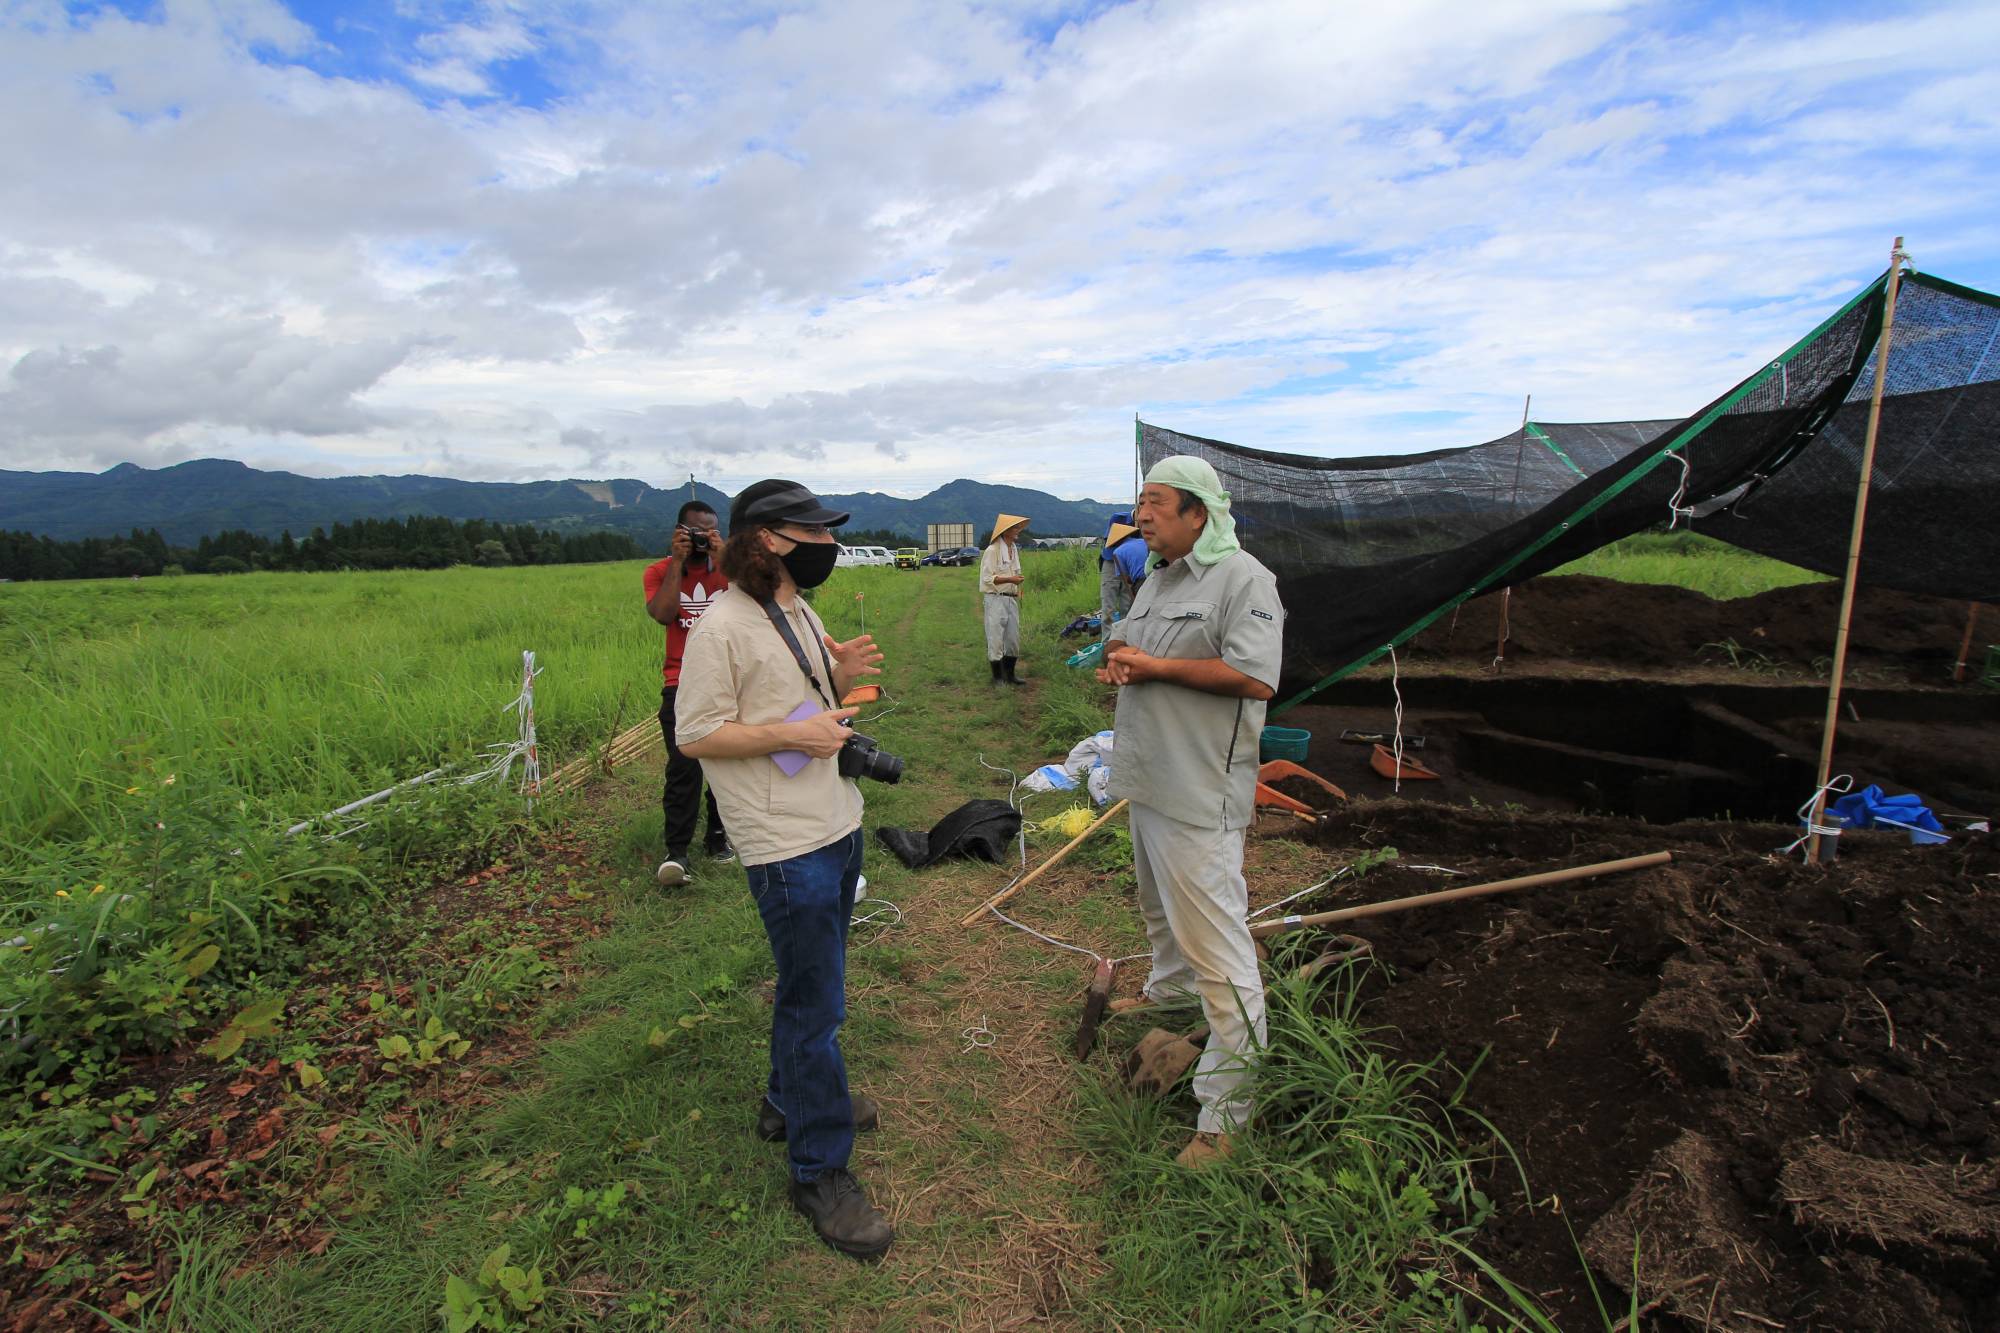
{"x": 810, "y": 563}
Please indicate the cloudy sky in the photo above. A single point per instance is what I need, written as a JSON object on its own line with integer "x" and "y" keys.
{"x": 879, "y": 245}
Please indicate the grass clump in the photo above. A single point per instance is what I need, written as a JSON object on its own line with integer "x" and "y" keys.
{"x": 1334, "y": 1212}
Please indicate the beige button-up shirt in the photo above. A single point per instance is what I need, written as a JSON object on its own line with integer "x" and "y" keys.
{"x": 1186, "y": 753}
{"x": 999, "y": 558}
{"x": 738, "y": 669}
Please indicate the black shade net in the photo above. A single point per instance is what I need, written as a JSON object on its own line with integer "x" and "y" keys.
{"x": 1932, "y": 523}
{"x": 1370, "y": 551}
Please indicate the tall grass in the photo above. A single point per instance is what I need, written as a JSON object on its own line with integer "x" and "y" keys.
{"x": 294, "y": 691}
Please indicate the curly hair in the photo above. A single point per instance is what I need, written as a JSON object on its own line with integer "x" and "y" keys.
{"x": 750, "y": 565}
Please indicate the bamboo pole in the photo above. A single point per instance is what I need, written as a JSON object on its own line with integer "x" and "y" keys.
{"x": 1039, "y": 870}
{"x": 1513, "y": 504}
{"x": 1965, "y": 644}
{"x": 1283, "y": 924}
{"x": 1827, "y": 732}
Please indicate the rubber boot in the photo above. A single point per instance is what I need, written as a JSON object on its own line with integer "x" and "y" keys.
{"x": 1007, "y": 666}
{"x": 995, "y": 664}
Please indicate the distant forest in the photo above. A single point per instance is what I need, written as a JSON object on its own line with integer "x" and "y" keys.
{"x": 368, "y": 543}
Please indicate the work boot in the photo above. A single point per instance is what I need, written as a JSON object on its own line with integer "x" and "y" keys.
{"x": 841, "y": 1214}
{"x": 1007, "y": 667}
{"x": 995, "y": 664}
{"x": 1204, "y": 1150}
{"x": 771, "y": 1121}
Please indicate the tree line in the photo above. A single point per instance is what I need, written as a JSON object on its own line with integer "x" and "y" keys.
{"x": 368, "y": 543}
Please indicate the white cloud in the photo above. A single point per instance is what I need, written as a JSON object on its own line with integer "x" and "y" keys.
{"x": 893, "y": 243}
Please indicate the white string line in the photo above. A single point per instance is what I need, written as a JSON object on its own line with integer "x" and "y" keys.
{"x": 978, "y": 1037}
{"x": 1395, "y": 684}
{"x": 1842, "y": 783}
{"x": 1300, "y": 894}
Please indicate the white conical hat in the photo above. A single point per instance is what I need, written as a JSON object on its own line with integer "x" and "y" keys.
{"x": 1004, "y": 522}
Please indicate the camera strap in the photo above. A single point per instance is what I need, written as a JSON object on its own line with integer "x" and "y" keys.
{"x": 782, "y": 623}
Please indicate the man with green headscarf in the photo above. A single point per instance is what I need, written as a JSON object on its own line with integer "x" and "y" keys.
{"x": 1194, "y": 664}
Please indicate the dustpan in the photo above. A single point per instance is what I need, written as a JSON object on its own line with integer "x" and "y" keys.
{"x": 1279, "y": 769}
{"x": 1383, "y": 761}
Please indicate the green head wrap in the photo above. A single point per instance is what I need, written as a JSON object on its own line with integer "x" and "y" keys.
{"x": 1187, "y": 473}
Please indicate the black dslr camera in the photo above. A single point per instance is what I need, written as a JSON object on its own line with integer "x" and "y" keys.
{"x": 861, "y": 757}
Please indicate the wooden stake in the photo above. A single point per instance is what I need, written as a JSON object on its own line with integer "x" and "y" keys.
{"x": 1513, "y": 503}
{"x": 1284, "y": 924}
{"x": 1039, "y": 870}
{"x": 1965, "y": 644}
{"x": 1854, "y": 551}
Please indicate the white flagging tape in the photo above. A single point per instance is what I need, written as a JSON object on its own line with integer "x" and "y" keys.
{"x": 1843, "y": 783}
{"x": 1674, "y": 506}
{"x": 499, "y": 765}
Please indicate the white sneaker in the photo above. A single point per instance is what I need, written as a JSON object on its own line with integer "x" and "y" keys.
{"x": 671, "y": 874}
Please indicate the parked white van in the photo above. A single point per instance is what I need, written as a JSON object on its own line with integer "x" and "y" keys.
{"x": 864, "y": 555}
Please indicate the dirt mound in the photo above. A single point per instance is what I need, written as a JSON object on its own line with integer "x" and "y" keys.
{"x": 1577, "y": 617}
{"x": 1767, "y": 1088}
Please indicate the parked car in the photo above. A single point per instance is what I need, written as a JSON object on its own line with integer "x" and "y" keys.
{"x": 964, "y": 555}
{"x": 869, "y": 555}
{"x": 908, "y": 557}
{"x": 934, "y": 558}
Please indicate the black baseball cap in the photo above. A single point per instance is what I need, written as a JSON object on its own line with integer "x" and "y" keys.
{"x": 774, "y": 501}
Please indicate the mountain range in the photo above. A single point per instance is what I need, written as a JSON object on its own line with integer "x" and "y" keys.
{"x": 188, "y": 501}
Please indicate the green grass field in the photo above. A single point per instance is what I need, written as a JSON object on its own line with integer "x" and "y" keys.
{"x": 1689, "y": 560}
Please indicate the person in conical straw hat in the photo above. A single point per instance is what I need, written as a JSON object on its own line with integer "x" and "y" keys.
{"x": 1194, "y": 664}
{"x": 1000, "y": 593}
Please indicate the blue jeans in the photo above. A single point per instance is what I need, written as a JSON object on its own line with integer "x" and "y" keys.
{"x": 806, "y": 903}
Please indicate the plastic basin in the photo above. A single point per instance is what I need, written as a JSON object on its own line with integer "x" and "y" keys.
{"x": 1283, "y": 743}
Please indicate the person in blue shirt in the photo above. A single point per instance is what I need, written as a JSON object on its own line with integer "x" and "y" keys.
{"x": 1121, "y": 569}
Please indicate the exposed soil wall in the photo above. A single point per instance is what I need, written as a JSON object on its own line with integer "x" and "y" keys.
{"x": 1772, "y": 1087}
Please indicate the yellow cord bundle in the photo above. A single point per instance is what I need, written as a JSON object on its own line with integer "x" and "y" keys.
{"x": 1069, "y": 823}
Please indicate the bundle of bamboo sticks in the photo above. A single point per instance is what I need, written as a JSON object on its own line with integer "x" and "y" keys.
{"x": 624, "y": 748}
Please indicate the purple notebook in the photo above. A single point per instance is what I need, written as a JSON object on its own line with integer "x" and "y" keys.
{"x": 789, "y": 762}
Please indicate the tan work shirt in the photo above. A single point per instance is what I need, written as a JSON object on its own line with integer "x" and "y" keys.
{"x": 999, "y": 558}
{"x": 1186, "y": 753}
{"x": 738, "y": 669}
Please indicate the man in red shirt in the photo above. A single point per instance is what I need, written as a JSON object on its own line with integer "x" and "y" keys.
{"x": 678, "y": 590}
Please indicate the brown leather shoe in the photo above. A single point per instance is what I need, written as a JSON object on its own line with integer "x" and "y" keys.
{"x": 843, "y": 1217}
{"x": 1204, "y": 1150}
{"x": 771, "y": 1121}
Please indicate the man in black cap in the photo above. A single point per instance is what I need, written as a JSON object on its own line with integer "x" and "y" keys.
{"x": 761, "y": 682}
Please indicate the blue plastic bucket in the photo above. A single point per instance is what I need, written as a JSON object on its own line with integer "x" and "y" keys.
{"x": 1283, "y": 743}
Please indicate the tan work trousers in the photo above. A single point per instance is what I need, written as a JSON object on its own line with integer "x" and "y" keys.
{"x": 1003, "y": 626}
{"x": 1193, "y": 899}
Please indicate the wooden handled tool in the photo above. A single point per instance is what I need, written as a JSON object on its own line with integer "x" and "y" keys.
{"x": 1035, "y": 874}
{"x": 1094, "y": 1001}
{"x": 1283, "y": 924}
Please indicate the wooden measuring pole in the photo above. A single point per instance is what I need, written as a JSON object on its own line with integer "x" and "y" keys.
{"x": 1284, "y": 924}
{"x": 1854, "y": 551}
{"x": 1038, "y": 871}
{"x": 1965, "y": 644}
